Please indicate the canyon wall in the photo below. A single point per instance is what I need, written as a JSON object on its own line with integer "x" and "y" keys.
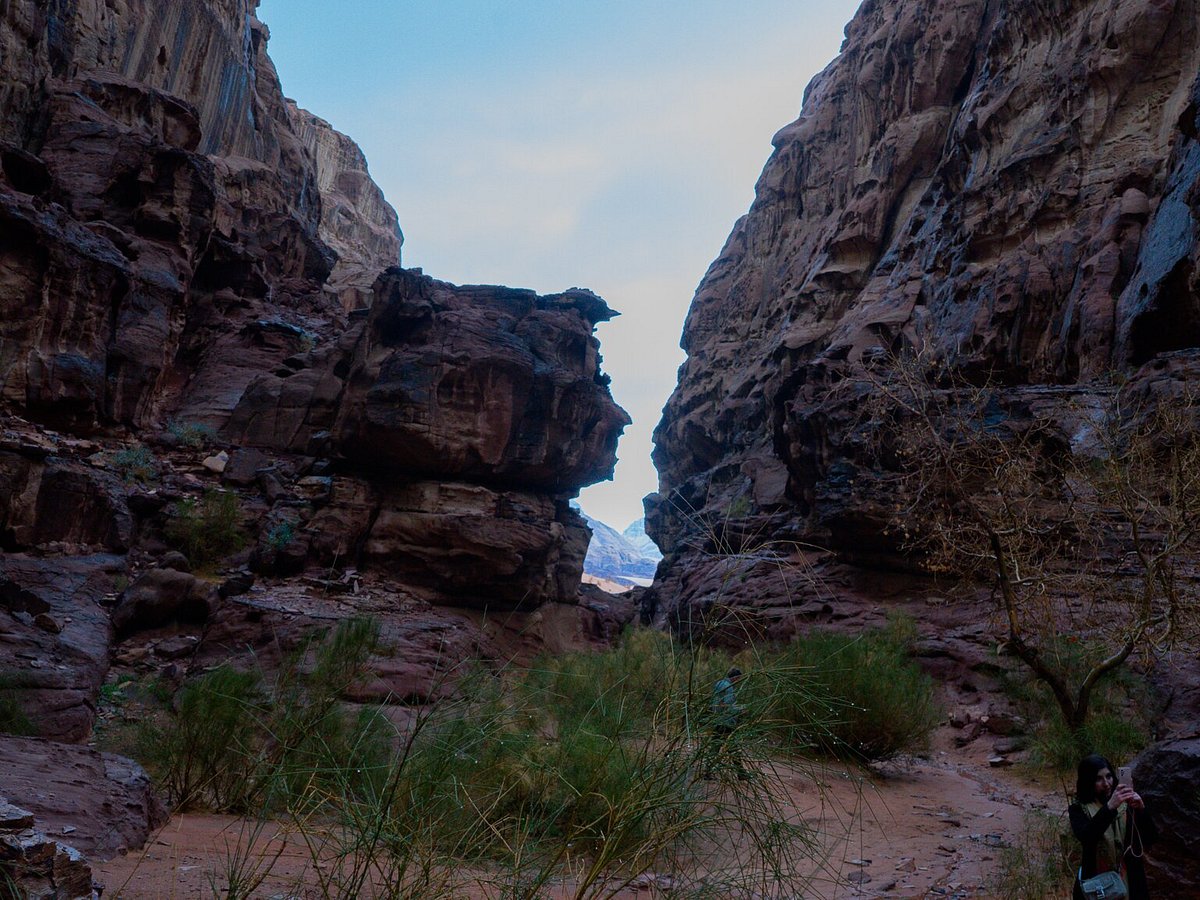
{"x": 200, "y": 297}
{"x": 1011, "y": 186}
{"x": 1008, "y": 190}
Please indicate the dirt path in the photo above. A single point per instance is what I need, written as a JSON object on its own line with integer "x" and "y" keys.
{"x": 924, "y": 828}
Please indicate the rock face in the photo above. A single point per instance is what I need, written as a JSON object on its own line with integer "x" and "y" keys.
{"x": 356, "y": 221}
{"x": 487, "y": 406}
{"x": 200, "y": 294}
{"x": 158, "y": 203}
{"x": 1012, "y": 186}
{"x": 56, "y": 634}
{"x": 1165, "y": 775}
{"x": 101, "y": 804}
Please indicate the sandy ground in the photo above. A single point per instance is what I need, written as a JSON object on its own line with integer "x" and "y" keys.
{"x": 920, "y": 828}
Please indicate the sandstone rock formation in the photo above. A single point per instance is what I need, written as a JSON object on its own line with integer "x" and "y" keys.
{"x": 99, "y": 803}
{"x": 200, "y": 296}
{"x": 1012, "y": 186}
{"x": 1165, "y": 775}
{"x": 486, "y": 405}
{"x": 33, "y": 864}
{"x": 56, "y": 637}
{"x": 356, "y": 220}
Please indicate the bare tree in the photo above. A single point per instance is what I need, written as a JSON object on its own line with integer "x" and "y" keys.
{"x": 1078, "y": 506}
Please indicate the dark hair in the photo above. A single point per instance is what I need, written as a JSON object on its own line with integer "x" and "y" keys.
{"x": 735, "y": 672}
{"x": 1085, "y": 783}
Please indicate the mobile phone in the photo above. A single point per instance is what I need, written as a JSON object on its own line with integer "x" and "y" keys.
{"x": 1125, "y": 775}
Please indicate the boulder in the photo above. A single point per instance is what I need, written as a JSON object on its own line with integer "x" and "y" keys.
{"x": 162, "y": 596}
{"x": 105, "y": 802}
{"x": 1166, "y": 776}
{"x": 53, "y": 675}
{"x": 36, "y": 865}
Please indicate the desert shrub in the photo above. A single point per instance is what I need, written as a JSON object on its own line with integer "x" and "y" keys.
{"x": 647, "y": 674}
{"x": 191, "y": 434}
{"x": 1118, "y": 726}
{"x": 1038, "y": 864}
{"x": 858, "y": 697}
{"x": 208, "y": 529}
{"x": 232, "y": 742}
{"x": 13, "y": 719}
{"x": 136, "y": 464}
{"x": 311, "y": 735}
{"x": 1059, "y": 747}
{"x": 589, "y": 767}
{"x": 596, "y": 759}
{"x": 203, "y": 753}
{"x": 280, "y": 535}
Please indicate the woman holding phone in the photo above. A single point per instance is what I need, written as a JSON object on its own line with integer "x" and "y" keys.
{"x": 1111, "y": 822}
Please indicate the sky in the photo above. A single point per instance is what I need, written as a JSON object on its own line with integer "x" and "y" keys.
{"x": 548, "y": 144}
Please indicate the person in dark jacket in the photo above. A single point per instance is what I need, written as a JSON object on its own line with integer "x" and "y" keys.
{"x": 1112, "y": 823}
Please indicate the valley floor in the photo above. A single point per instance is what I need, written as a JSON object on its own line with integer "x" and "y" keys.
{"x": 921, "y": 828}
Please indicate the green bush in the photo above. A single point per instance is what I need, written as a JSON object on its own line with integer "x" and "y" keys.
{"x": 856, "y": 697}
{"x": 191, "y": 434}
{"x": 232, "y": 743}
{"x": 280, "y": 535}
{"x": 602, "y": 757}
{"x": 1118, "y": 726}
{"x": 207, "y": 530}
{"x": 601, "y": 765}
{"x": 1060, "y": 748}
{"x": 136, "y": 464}
{"x": 13, "y": 719}
{"x": 204, "y": 753}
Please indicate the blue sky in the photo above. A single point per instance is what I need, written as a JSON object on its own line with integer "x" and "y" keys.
{"x": 608, "y": 145}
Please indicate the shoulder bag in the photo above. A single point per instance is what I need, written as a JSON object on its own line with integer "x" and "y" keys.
{"x": 1105, "y": 886}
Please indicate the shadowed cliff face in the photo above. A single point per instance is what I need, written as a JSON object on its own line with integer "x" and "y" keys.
{"x": 1010, "y": 184}
{"x": 1011, "y": 187}
{"x": 160, "y": 200}
{"x": 184, "y": 251}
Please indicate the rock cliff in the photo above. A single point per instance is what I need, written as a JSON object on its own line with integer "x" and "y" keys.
{"x": 1012, "y": 186}
{"x": 200, "y": 303}
{"x": 356, "y": 220}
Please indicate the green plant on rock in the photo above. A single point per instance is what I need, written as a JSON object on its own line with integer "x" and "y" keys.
{"x": 13, "y": 718}
{"x": 208, "y": 529}
{"x": 136, "y": 464}
{"x": 193, "y": 435}
{"x": 280, "y": 535}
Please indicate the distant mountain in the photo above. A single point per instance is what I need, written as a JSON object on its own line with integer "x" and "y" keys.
{"x": 636, "y": 535}
{"x": 615, "y": 557}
